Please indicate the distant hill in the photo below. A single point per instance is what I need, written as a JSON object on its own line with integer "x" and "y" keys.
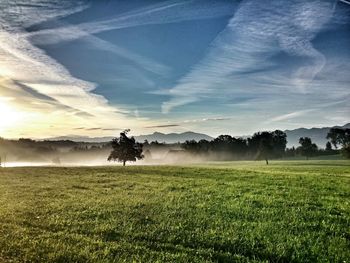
{"x": 317, "y": 135}
{"x": 77, "y": 138}
{"x": 173, "y": 137}
{"x": 156, "y": 136}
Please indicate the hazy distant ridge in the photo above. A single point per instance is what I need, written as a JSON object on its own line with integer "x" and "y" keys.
{"x": 174, "y": 137}
{"x": 318, "y": 135}
{"x": 156, "y": 136}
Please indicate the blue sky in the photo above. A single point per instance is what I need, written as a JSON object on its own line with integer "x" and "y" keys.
{"x": 234, "y": 67}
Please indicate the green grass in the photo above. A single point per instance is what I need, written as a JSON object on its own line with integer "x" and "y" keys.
{"x": 295, "y": 211}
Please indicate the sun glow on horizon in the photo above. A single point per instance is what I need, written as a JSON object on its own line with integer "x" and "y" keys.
{"x": 10, "y": 117}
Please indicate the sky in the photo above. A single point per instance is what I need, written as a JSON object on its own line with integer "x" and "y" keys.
{"x": 94, "y": 68}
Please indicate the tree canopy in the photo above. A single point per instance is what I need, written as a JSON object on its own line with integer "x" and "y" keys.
{"x": 340, "y": 137}
{"x": 268, "y": 144}
{"x": 125, "y": 149}
{"x": 262, "y": 145}
{"x": 307, "y": 148}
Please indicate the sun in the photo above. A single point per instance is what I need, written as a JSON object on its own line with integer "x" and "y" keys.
{"x": 9, "y": 116}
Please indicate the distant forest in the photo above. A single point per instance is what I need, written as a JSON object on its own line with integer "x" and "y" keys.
{"x": 260, "y": 146}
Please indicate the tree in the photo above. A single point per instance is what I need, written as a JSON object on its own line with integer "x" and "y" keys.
{"x": 191, "y": 146}
{"x": 307, "y": 148}
{"x": 125, "y": 149}
{"x": 221, "y": 144}
{"x": 279, "y": 139}
{"x": 346, "y": 152}
{"x": 290, "y": 152}
{"x": 267, "y": 145}
{"x": 328, "y": 147}
{"x": 341, "y": 137}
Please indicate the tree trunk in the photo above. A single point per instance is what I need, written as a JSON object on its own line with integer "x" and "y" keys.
{"x": 267, "y": 162}
{"x": 124, "y": 163}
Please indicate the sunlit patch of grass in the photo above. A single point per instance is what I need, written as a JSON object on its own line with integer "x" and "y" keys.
{"x": 295, "y": 211}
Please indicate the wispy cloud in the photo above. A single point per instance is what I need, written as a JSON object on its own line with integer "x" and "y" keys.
{"x": 161, "y": 13}
{"x": 255, "y": 33}
{"x": 291, "y": 115}
{"x": 29, "y": 69}
{"x": 32, "y": 67}
{"x": 318, "y": 107}
{"x": 68, "y": 33}
{"x": 345, "y": 1}
{"x": 97, "y": 129}
{"x": 163, "y": 126}
{"x": 193, "y": 121}
{"x": 26, "y": 13}
{"x": 207, "y": 119}
{"x": 264, "y": 59}
{"x": 112, "y": 129}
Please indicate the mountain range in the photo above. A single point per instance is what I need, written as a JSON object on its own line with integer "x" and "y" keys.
{"x": 318, "y": 136}
{"x": 156, "y": 136}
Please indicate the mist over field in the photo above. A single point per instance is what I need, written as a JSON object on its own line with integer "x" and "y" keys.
{"x": 260, "y": 146}
{"x": 60, "y": 153}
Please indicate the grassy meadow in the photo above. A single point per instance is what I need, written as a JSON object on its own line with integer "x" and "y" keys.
{"x": 291, "y": 211}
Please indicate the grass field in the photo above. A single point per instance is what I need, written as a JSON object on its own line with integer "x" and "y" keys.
{"x": 297, "y": 211}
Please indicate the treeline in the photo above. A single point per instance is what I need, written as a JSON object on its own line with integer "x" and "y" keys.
{"x": 261, "y": 146}
{"x": 268, "y": 145}
{"x": 28, "y": 150}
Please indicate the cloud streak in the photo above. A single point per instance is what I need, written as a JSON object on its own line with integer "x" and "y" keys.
{"x": 70, "y": 33}
{"x": 163, "y": 126}
{"x": 255, "y": 33}
{"x": 26, "y": 13}
{"x": 161, "y": 13}
{"x": 182, "y": 123}
{"x": 28, "y": 68}
{"x": 265, "y": 59}
{"x": 345, "y": 2}
{"x": 291, "y": 115}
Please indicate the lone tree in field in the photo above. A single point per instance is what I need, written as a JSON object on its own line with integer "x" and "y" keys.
{"x": 268, "y": 144}
{"x": 307, "y": 148}
{"x": 265, "y": 150}
{"x": 125, "y": 149}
